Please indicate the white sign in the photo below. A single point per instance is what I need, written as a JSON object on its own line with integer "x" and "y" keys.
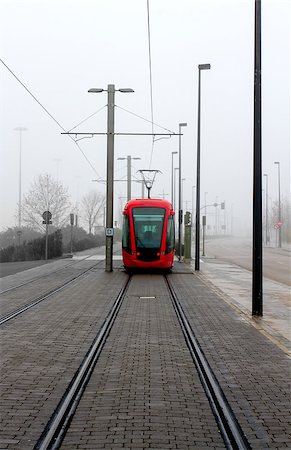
{"x": 109, "y": 231}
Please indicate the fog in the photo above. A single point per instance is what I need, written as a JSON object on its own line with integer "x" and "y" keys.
{"x": 61, "y": 48}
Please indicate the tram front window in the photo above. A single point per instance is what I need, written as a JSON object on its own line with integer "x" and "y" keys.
{"x": 148, "y": 227}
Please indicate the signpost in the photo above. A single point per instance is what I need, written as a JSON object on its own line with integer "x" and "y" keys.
{"x": 47, "y": 215}
{"x": 72, "y": 224}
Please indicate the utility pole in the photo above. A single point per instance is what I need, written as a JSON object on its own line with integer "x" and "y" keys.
{"x": 180, "y": 217}
{"x": 110, "y": 169}
{"x": 110, "y": 172}
{"x": 128, "y": 158}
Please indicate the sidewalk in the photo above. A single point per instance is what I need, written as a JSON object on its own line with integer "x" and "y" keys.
{"x": 234, "y": 285}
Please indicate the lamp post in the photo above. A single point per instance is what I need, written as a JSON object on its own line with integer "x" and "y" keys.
{"x": 267, "y": 210}
{"x": 180, "y": 195}
{"x": 172, "y": 181}
{"x": 110, "y": 168}
{"x": 257, "y": 259}
{"x": 20, "y": 129}
{"x": 129, "y": 159}
{"x": 279, "y": 206}
{"x": 197, "y": 221}
{"x": 183, "y": 179}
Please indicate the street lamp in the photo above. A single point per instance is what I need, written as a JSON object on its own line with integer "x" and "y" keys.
{"x": 110, "y": 168}
{"x": 197, "y": 221}
{"x": 172, "y": 181}
{"x": 180, "y": 195}
{"x": 279, "y": 208}
{"x": 129, "y": 159}
{"x": 267, "y": 210}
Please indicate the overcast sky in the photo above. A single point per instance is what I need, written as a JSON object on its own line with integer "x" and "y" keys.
{"x": 60, "y": 48}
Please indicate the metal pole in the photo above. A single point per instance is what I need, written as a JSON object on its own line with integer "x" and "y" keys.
{"x": 197, "y": 230}
{"x": 46, "y": 241}
{"x": 180, "y": 221}
{"x": 203, "y": 234}
{"x": 197, "y": 221}
{"x": 180, "y": 218}
{"x": 20, "y": 129}
{"x": 19, "y": 201}
{"x": 110, "y": 171}
{"x": 175, "y": 199}
{"x": 266, "y": 210}
{"x": 172, "y": 178}
{"x": 128, "y": 177}
{"x": 279, "y": 207}
{"x": 257, "y": 291}
{"x": 71, "y": 238}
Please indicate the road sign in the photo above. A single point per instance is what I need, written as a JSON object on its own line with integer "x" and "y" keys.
{"x": 278, "y": 225}
{"x": 47, "y": 215}
{"x": 109, "y": 232}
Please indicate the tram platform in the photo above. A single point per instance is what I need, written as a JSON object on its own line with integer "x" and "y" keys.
{"x": 144, "y": 388}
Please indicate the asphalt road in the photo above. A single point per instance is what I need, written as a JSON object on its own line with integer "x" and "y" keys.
{"x": 276, "y": 262}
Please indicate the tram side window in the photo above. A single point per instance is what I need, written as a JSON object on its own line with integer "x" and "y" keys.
{"x": 125, "y": 234}
{"x": 170, "y": 242}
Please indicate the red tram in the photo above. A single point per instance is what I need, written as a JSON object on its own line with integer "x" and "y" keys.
{"x": 148, "y": 234}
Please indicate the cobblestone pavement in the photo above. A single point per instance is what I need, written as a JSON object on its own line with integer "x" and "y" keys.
{"x": 234, "y": 285}
{"x": 145, "y": 391}
{"x": 42, "y": 349}
{"x": 254, "y": 373}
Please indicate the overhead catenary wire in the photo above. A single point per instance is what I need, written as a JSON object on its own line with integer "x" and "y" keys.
{"x": 51, "y": 116}
{"x": 87, "y": 118}
{"x": 143, "y": 118}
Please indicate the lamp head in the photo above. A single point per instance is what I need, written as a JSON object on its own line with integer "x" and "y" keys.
{"x": 96, "y": 90}
{"x": 125, "y": 90}
{"x": 204, "y": 66}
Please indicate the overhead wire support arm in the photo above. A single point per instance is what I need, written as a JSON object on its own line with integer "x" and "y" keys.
{"x": 125, "y": 134}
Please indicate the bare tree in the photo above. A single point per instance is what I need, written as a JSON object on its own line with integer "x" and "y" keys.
{"x": 46, "y": 194}
{"x": 92, "y": 206}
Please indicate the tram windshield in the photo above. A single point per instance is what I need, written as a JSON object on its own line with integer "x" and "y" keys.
{"x": 148, "y": 226}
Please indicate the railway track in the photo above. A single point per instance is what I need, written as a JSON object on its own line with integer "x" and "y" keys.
{"x": 11, "y": 308}
{"x": 59, "y": 423}
{"x": 45, "y": 275}
{"x": 33, "y": 302}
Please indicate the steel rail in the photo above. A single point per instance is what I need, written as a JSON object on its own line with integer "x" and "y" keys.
{"x": 57, "y": 426}
{"x": 43, "y": 297}
{"x": 231, "y": 431}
